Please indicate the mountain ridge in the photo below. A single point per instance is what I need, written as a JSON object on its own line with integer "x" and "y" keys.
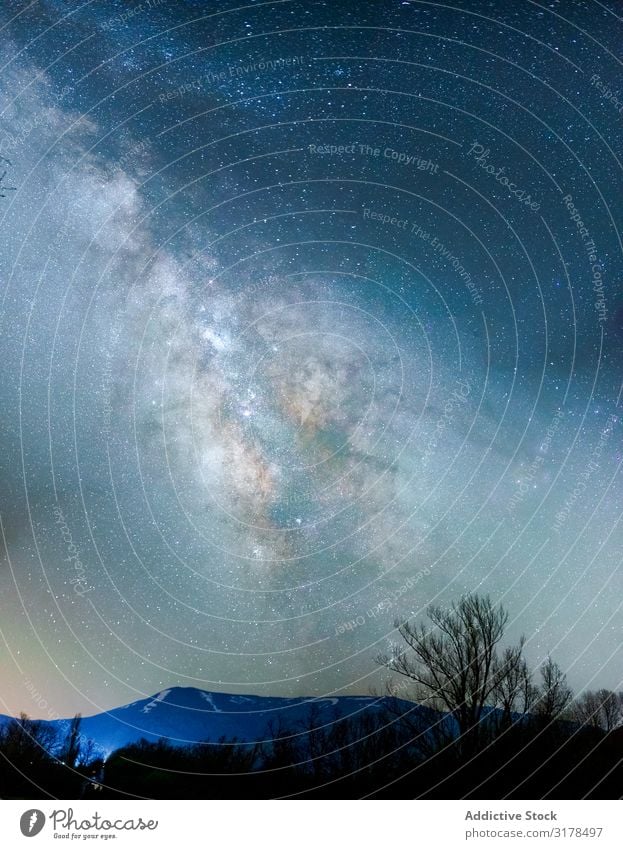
{"x": 187, "y": 715}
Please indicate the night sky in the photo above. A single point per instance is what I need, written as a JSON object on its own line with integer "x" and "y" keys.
{"x": 312, "y": 315}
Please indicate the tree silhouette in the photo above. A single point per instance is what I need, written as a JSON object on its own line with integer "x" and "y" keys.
{"x": 455, "y": 665}
{"x": 598, "y": 709}
{"x": 71, "y": 746}
{"x": 513, "y": 690}
{"x": 555, "y": 695}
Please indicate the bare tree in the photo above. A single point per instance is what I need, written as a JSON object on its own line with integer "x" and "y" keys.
{"x": 555, "y": 695}
{"x": 598, "y": 709}
{"x": 454, "y": 663}
{"x": 513, "y": 691}
{"x": 89, "y": 752}
{"x": 612, "y": 709}
{"x": 26, "y": 741}
{"x": 71, "y": 745}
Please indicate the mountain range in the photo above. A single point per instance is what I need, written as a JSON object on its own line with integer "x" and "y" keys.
{"x": 189, "y": 715}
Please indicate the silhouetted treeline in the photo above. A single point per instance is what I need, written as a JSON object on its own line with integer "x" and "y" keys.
{"x": 38, "y": 761}
{"x": 478, "y": 724}
{"x": 383, "y": 756}
{"x": 307, "y": 757}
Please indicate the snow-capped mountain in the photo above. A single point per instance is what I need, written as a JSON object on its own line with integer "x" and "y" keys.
{"x": 188, "y": 715}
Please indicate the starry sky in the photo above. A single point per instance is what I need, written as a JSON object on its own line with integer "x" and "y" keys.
{"x": 312, "y": 315}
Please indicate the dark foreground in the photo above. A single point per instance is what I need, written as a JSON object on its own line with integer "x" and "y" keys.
{"x": 384, "y": 756}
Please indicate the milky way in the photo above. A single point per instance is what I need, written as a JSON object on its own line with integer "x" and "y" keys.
{"x": 311, "y": 317}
